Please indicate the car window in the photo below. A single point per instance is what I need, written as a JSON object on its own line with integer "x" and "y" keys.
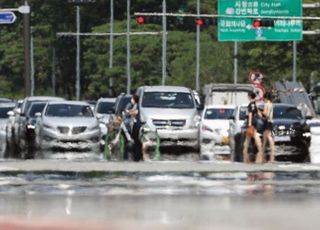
{"x": 243, "y": 113}
{"x": 35, "y": 108}
{"x": 122, "y": 104}
{"x": 218, "y": 113}
{"x": 67, "y": 110}
{"x": 4, "y": 111}
{"x": 168, "y": 100}
{"x": 105, "y": 107}
{"x": 284, "y": 112}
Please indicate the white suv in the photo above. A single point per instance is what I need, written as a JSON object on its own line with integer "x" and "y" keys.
{"x": 169, "y": 112}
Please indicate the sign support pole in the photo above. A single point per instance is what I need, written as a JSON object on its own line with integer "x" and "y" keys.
{"x": 235, "y": 63}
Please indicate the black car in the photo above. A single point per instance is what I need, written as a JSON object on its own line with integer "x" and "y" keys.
{"x": 290, "y": 132}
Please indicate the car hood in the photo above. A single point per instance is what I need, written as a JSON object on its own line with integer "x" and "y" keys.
{"x": 166, "y": 114}
{"x": 287, "y": 122}
{"x": 71, "y": 122}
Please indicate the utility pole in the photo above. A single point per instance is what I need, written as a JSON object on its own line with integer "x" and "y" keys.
{"x": 32, "y": 64}
{"x": 111, "y": 35}
{"x": 128, "y": 49}
{"x": 164, "y": 43}
{"x": 111, "y": 43}
{"x": 78, "y": 55}
{"x": 53, "y": 78}
{"x": 198, "y": 51}
{"x": 27, "y": 71}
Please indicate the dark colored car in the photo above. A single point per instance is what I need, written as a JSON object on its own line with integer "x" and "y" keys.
{"x": 290, "y": 132}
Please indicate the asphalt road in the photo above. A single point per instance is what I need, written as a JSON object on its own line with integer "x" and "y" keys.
{"x": 152, "y": 166}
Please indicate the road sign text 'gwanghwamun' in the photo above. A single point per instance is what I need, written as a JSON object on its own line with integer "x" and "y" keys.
{"x": 251, "y": 22}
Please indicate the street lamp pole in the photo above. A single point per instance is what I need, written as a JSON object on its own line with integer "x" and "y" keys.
{"x": 78, "y": 56}
{"x": 27, "y": 64}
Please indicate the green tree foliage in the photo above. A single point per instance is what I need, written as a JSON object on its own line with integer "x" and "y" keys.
{"x": 49, "y": 17}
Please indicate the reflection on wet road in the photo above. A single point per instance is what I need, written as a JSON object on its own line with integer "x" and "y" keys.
{"x": 255, "y": 200}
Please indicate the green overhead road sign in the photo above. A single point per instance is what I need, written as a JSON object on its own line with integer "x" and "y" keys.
{"x": 251, "y": 22}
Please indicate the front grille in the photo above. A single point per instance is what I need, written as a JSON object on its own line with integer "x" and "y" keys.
{"x": 77, "y": 130}
{"x": 174, "y": 123}
{"x": 63, "y": 129}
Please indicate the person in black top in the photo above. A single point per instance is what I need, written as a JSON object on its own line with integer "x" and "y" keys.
{"x": 252, "y": 114}
{"x": 135, "y": 126}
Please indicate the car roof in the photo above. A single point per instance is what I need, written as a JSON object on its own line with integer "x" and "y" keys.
{"x": 107, "y": 99}
{"x": 7, "y": 104}
{"x": 162, "y": 88}
{"x": 220, "y": 107}
{"x": 44, "y": 98}
{"x": 68, "y": 103}
{"x": 5, "y": 100}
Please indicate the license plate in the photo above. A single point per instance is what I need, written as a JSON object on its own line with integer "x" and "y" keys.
{"x": 281, "y": 138}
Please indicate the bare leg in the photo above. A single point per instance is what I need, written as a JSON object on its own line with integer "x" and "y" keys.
{"x": 264, "y": 143}
{"x": 259, "y": 158}
{"x": 271, "y": 144}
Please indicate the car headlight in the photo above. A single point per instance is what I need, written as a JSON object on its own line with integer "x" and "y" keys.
{"x": 46, "y": 126}
{"x": 97, "y": 126}
{"x": 196, "y": 121}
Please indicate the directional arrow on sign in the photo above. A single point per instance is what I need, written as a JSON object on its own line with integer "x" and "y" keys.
{"x": 7, "y": 17}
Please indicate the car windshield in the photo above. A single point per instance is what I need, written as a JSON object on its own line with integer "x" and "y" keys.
{"x": 167, "y": 100}
{"x": 4, "y": 111}
{"x": 105, "y": 107}
{"x": 284, "y": 112}
{"x": 218, "y": 113}
{"x": 35, "y": 108}
{"x": 243, "y": 113}
{"x": 68, "y": 110}
{"x": 121, "y": 105}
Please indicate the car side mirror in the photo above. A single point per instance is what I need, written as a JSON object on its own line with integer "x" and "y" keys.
{"x": 17, "y": 111}
{"x": 10, "y": 113}
{"x": 308, "y": 117}
{"x": 200, "y": 107}
{"x": 99, "y": 116}
{"x": 38, "y": 115}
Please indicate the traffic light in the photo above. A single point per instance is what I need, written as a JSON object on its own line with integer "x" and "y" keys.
{"x": 149, "y": 20}
{"x": 140, "y": 20}
{"x": 199, "y": 22}
{"x": 262, "y": 23}
{"x": 205, "y": 21}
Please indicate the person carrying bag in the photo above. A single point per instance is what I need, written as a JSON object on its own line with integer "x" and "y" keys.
{"x": 251, "y": 131}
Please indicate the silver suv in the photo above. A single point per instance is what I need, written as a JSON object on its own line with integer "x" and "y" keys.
{"x": 169, "y": 113}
